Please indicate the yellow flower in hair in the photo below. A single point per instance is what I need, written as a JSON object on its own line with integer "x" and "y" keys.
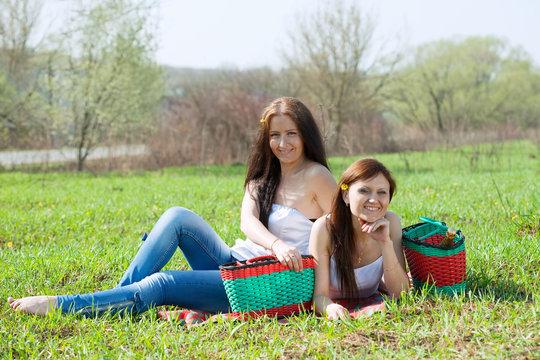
{"x": 262, "y": 120}
{"x": 344, "y": 187}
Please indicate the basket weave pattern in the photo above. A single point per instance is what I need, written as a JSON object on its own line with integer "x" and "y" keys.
{"x": 262, "y": 286}
{"x": 442, "y": 269}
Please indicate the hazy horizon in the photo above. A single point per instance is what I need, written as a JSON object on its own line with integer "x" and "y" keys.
{"x": 245, "y": 33}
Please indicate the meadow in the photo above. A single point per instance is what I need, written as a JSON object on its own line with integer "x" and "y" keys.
{"x": 77, "y": 232}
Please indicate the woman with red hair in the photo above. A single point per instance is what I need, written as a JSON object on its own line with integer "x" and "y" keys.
{"x": 358, "y": 244}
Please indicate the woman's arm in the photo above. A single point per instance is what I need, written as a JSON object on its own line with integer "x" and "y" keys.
{"x": 319, "y": 247}
{"x": 254, "y": 229}
{"x": 396, "y": 280}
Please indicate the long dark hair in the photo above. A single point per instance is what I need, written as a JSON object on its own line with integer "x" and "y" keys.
{"x": 263, "y": 168}
{"x": 342, "y": 236}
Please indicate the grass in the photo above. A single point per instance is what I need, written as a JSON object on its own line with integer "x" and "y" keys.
{"x": 64, "y": 233}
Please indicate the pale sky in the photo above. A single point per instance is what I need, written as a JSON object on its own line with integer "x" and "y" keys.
{"x": 251, "y": 33}
{"x": 247, "y": 33}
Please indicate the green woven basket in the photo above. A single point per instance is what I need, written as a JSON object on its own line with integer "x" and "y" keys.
{"x": 263, "y": 286}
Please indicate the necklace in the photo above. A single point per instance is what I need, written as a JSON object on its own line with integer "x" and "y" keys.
{"x": 359, "y": 257}
{"x": 360, "y": 244}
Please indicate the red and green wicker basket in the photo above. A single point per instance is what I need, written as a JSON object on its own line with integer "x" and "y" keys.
{"x": 262, "y": 286}
{"x": 439, "y": 269}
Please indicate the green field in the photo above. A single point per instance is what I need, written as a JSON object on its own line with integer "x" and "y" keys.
{"x": 69, "y": 232}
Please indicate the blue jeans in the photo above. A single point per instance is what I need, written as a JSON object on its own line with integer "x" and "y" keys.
{"x": 143, "y": 286}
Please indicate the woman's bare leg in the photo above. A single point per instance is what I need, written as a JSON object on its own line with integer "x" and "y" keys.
{"x": 40, "y": 305}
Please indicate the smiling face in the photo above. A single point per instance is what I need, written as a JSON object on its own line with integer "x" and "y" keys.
{"x": 368, "y": 199}
{"x": 285, "y": 140}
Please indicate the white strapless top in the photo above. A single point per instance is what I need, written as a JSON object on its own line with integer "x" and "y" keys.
{"x": 367, "y": 279}
{"x": 289, "y": 224}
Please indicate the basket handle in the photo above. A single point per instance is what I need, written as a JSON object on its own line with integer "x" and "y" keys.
{"x": 428, "y": 235}
{"x": 432, "y": 221}
{"x": 261, "y": 258}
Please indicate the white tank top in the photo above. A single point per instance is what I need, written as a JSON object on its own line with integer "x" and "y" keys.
{"x": 289, "y": 224}
{"x": 367, "y": 279}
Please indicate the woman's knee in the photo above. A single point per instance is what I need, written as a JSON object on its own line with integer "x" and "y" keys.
{"x": 177, "y": 215}
{"x": 152, "y": 289}
{"x": 175, "y": 212}
{"x": 156, "y": 281}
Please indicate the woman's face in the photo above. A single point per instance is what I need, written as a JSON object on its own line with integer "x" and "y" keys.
{"x": 368, "y": 199}
{"x": 285, "y": 140}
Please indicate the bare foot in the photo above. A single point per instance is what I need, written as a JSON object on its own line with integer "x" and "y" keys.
{"x": 40, "y": 305}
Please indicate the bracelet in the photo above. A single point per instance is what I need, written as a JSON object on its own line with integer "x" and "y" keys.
{"x": 272, "y": 245}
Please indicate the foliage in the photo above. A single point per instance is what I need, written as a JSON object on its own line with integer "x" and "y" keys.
{"x": 94, "y": 82}
{"x": 77, "y": 233}
{"x": 457, "y": 84}
{"x": 335, "y": 63}
{"x": 20, "y": 120}
{"x": 111, "y": 86}
{"x": 215, "y": 113}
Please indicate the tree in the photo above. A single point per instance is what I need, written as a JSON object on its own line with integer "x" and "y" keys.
{"x": 332, "y": 58}
{"x": 18, "y": 97}
{"x": 517, "y": 92}
{"x": 216, "y": 113}
{"x": 108, "y": 82}
{"x": 462, "y": 83}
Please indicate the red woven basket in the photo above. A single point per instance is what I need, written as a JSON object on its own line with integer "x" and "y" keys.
{"x": 262, "y": 286}
{"x": 440, "y": 269}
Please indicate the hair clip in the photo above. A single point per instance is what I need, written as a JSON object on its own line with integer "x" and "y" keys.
{"x": 344, "y": 187}
{"x": 262, "y": 120}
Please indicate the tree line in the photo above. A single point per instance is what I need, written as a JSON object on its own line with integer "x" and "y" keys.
{"x": 96, "y": 83}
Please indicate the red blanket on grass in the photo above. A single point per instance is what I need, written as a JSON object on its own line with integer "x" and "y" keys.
{"x": 365, "y": 307}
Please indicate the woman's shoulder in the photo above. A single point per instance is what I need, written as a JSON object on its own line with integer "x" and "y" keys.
{"x": 321, "y": 225}
{"x": 320, "y": 233}
{"x": 321, "y": 222}
{"x": 251, "y": 189}
{"x": 392, "y": 216}
{"x": 316, "y": 171}
{"x": 395, "y": 222}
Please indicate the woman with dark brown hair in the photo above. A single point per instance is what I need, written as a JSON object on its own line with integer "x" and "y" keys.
{"x": 358, "y": 244}
{"x": 287, "y": 184}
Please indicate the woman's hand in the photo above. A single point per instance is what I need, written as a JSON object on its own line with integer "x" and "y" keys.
{"x": 378, "y": 230}
{"x": 337, "y": 312}
{"x": 288, "y": 255}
